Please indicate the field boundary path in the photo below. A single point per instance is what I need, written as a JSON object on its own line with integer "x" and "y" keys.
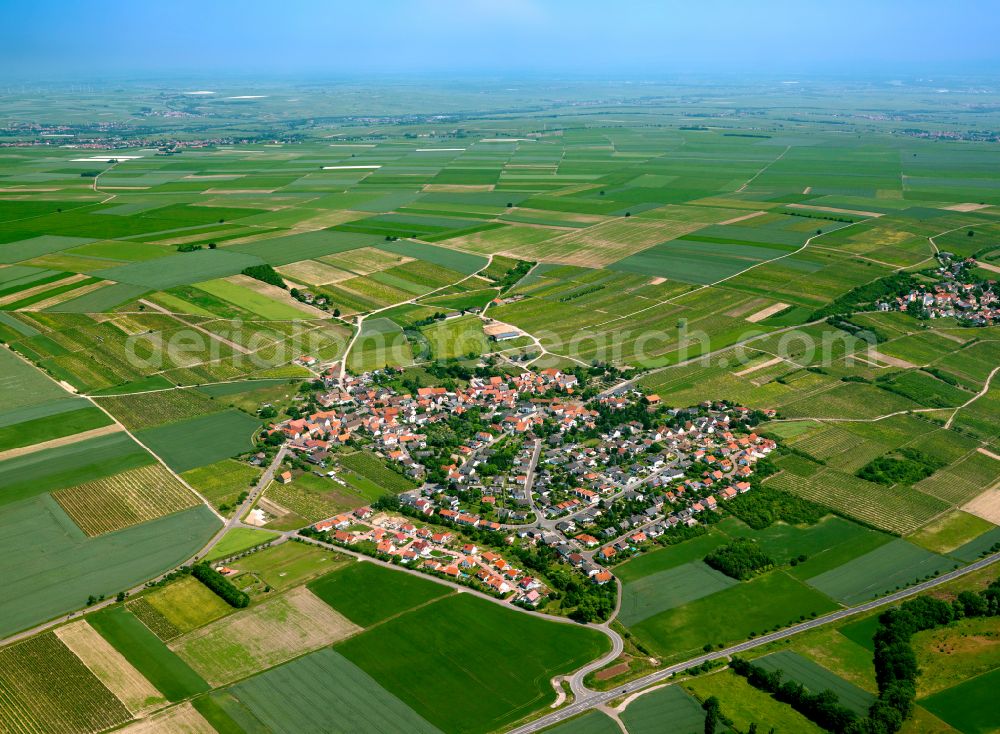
{"x": 222, "y": 340}
{"x": 62, "y": 441}
{"x": 361, "y": 317}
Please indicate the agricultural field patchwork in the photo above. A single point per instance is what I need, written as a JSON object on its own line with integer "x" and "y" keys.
{"x": 185, "y": 273}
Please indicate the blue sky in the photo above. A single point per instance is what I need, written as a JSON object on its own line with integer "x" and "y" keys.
{"x": 515, "y": 37}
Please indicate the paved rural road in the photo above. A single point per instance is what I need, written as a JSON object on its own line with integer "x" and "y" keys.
{"x": 592, "y": 699}
{"x": 265, "y": 479}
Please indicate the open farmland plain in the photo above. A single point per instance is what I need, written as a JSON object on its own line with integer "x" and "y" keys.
{"x": 234, "y": 286}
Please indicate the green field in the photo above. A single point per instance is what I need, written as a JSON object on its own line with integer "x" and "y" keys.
{"x": 744, "y": 704}
{"x": 21, "y": 385}
{"x": 50, "y": 567}
{"x": 45, "y": 429}
{"x": 146, "y": 409}
{"x": 457, "y": 638}
{"x": 222, "y": 482}
{"x": 286, "y": 565}
{"x": 193, "y": 443}
{"x": 884, "y": 569}
{"x": 325, "y": 691}
{"x": 367, "y": 594}
{"x": 767, "y": 601}
{"x": 261, "y": 636}
{"x": 662, "y": 559}
{"x": 970, "y": 706}
{"x": 664, "y": 590}
{"x": 238, "y": 540}
{"x": 816, "y": 679}
{"x": 187, "y": 604}
{"x": 144, "y": 650}
{"x": 956, "y": 534}
{"x": 65, "y": 466}
{"x": 592, "y": 722}
{"x": 190, "y": 267}
{"x": 263, "y": 306}
{"x": 647, "y": 714}
{"x": 375, "y": 469}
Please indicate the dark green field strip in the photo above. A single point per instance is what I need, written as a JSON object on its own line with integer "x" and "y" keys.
{"x": 102, "y": 300}
{"x": 816, "y": 679}
{"x": 888, "y": 567}
{"x": 66, "y": 466}
{"x": 977, "y": 546}
{"x": 367, "y": 594}
{"x": 13, "y": 252}
{"x": 204, "y": 440}
{"x": 50, "y": 293}
{"x": 180, "y": 269}
{"x": 862, "y": 632}
{"x": 161, "y": 667}
{"x": 502, "y": 677}
{"x": 23, "y": 284}
{"x": 664, "y": 590}
{"x": 971, "y": 706}
{"x": 305, "y": 246}
{"x": 227, "y": 715}
{"x": 54, "y": 407}
{"x": 56, "y": 426}
{"x": 722, "y": 240}
{"x": 326, "y": 692}
{"x": 50, "y": 567}
{"x": 460, "y": 261}
{"x": 647, "y": 714}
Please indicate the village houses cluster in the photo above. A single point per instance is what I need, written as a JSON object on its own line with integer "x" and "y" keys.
{"x": 592, "y": 501}
{"x": 954, "y": 296}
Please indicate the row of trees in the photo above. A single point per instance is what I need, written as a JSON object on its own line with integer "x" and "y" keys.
{"x": 220, "y": 585}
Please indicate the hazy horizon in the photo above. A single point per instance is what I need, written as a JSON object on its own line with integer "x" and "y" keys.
{"x": 519, "y": 38}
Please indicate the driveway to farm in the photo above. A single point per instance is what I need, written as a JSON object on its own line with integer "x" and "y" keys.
{"x": 591, "y": 699}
